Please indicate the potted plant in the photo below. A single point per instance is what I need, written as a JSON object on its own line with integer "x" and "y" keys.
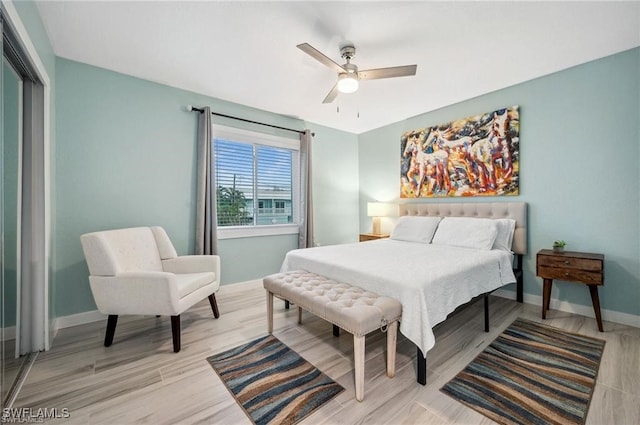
{"x": 558, "y": 246}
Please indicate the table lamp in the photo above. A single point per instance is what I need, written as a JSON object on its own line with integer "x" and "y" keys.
{"x": 377, "y": 210}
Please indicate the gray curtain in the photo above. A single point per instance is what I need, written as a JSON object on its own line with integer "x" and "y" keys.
{"x": 206, "y": 215}
{"x": 306, "y": 198}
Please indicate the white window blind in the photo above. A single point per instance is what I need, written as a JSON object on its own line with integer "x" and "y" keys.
{"x": 256, "y": 180}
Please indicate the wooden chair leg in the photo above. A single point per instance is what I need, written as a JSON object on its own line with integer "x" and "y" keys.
{"x": 112, "y": 321}
{"x": 358, "y": 358}
{"x": 175, "y": 332}
{"x": 214, "y": 305}
{"x": 299, "y": 315}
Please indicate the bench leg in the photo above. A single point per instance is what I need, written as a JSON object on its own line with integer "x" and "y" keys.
{"x": 299, "y": 315}
{"x": 392, "y": 336}
{"x": 270, "y": 312}
{"x": 358, "y": 357}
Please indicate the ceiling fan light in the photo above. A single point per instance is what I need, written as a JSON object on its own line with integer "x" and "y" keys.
{"x": 347, "y": 83}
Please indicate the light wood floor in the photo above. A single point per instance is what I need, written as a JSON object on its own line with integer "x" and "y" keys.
{"x": 140, "y": 380}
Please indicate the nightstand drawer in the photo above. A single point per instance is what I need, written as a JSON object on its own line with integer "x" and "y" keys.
{"x": 570, "y": 274}
{"x": 566, "y": 262}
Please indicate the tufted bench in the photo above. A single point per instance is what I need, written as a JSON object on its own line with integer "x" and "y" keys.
{"x": 348, "y": 307}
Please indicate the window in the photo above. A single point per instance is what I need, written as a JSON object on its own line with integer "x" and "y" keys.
{"x": 256, "y": 183}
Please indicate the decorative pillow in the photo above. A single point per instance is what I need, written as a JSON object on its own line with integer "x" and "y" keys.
{"x": 478, "y": 233}
{"x": 506, "y": 228}
{"x": 415, "y": 229}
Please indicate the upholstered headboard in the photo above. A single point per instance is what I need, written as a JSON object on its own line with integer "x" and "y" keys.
{"x": 514, "y": 210}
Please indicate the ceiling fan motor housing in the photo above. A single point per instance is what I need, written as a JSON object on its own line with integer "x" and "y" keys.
{"x": 347, "y": 52}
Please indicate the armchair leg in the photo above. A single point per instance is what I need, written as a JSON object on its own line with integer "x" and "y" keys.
{"x": 175, "y": 331}
{"x": 214, "y": 305}
{"x": 112, "y": 321}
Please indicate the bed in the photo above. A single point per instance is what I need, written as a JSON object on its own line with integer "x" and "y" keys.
{"x": 430, "y": 274}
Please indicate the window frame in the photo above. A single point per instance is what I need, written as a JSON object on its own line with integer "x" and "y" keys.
{"x": 238, "y": 135}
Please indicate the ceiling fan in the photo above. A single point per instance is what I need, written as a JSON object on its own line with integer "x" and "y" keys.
{"x": 348, "y": 74}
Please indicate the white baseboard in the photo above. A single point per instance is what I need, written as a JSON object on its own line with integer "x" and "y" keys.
{"x": 78, "y": 319}
{"x": 583, "y": 310}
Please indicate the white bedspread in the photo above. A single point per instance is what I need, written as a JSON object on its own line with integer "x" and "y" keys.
{"x": 430, "y": 281}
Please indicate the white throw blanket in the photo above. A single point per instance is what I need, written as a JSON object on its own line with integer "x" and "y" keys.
{"x": 430, "y": 281}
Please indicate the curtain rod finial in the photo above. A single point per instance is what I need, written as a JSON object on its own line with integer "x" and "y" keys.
{"x": 189, "y": 108}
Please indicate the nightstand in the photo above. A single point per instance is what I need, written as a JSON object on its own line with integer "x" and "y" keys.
{"x": 580, "y": 267}
{"x": 372, "y": 236}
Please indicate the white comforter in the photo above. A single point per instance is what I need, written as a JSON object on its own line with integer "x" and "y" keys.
{"x": 429, "y": 280}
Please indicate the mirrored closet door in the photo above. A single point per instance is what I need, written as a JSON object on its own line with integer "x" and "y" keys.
{"x": 12, "y": 89}
{"x": 24, "y": 313}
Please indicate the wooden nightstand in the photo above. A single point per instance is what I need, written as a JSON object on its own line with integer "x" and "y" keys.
{"x": 372, "y": 236}
{"x": 581, "y": 267}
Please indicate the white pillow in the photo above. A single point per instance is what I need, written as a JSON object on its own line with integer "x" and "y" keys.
{"x": 506, "y": 228}
{"x": 415, "y": 229}
{"x": 478, "y": 233}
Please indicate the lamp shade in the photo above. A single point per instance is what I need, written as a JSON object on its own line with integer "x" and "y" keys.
{"x": 381, "y": 209}
{"x": 347, "y": 82}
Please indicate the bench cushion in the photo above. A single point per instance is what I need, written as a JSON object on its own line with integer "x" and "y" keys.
{"x": 351, "y": 308}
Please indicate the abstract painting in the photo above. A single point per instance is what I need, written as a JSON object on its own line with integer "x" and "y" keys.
{"x": 473, "y": 156}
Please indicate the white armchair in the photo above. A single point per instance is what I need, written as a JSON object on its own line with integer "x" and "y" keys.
{"x": 137, "y": 271}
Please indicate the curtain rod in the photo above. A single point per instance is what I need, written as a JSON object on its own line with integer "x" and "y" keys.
{"x": 193, "y": 108}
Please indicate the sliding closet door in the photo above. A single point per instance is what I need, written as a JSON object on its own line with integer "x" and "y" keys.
{"x": 24, "y": 208}
{"x": 12, "y": 90}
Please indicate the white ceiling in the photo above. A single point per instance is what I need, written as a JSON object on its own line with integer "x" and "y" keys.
{"x": 245, "y": 52}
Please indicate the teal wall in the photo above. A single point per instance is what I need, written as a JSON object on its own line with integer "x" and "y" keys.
{"x": 126, "y": 157}
{"x": 579, "y": 168}
{"x": 335, "y": 186}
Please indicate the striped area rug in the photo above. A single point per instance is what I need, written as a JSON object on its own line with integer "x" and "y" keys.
{"x": 531, "y": 374}
{"x": 272, "y": 383}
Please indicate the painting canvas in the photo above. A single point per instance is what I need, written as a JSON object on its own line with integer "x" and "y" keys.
{"x": 473, "y": 156}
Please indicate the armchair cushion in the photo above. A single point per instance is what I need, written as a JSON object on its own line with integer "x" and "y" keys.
{"x": 190, "y": 282}
{"x": 192, "y": 264}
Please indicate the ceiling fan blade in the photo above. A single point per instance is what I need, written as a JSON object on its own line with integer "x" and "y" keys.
{"x": 320, "y": 57}
{"x": 394, "y": 71}
{"x": 332, "y": 95}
